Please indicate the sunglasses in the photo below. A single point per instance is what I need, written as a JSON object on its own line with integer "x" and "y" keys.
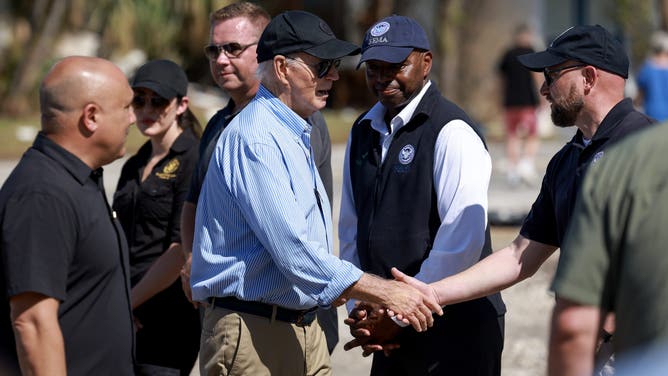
{"x": 139, "y": 101}
{"x": 322, "y": 67}
{"x": 231, "y": 50}
{"x": 552, "y": 75}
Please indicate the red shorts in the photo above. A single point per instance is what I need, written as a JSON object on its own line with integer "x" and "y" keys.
{"x": 521, "y": 119}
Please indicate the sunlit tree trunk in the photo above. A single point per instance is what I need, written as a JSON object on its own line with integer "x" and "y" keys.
{"x": 663, "y": 12}
{"x": 47, "y": 21}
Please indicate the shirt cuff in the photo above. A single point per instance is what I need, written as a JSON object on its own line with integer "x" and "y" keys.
{"x": 399, "y": 322}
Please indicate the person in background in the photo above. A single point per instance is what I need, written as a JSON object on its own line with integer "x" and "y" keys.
{"x": 415, "y": 184}
{"x": 652, "y": 79}
{"x": 148, "y": 201}
{"x": 614, "y": 260}
{"x": 63, "y": 256}
{"x": 235, "y": 30}
{"x": 520, "y": 102}
{"x": 262, "y": 251}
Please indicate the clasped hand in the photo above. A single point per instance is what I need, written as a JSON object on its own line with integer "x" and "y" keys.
{"x": 372, "y": 325}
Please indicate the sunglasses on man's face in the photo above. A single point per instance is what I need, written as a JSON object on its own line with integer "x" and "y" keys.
{"x": 552, "y": 75}
{"x": 322, "y": 67}
{"x": 231, "y": 50}
{"x": 139, "y": 101}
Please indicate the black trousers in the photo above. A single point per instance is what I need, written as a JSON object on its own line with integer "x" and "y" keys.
{"x": 466, "y": 341}
{"x": 170, "y": 334}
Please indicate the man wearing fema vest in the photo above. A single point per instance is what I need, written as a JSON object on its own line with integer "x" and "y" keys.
{"x": 415, "y": 184}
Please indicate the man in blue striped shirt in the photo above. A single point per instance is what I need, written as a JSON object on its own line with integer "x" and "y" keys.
{"x": 262, "y": 253}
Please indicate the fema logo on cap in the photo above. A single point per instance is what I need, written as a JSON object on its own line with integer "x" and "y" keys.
{"x": 380, "y": 29}
{"x": 407, "y": 154}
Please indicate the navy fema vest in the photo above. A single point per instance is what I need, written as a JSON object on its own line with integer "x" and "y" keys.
{"x": 396, "y": 201}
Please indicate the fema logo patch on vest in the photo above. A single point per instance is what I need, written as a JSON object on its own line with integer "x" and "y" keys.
{"x": 407, "y": 154}
{"x": 597, "y": 156}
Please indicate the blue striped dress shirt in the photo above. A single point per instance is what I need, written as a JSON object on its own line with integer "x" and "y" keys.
{"x": 260, "y": 233}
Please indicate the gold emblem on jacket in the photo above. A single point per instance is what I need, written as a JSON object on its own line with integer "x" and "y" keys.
{"x": 169, "y": 171}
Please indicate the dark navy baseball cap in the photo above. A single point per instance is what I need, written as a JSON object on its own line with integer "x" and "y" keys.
{"x": 392, "y": 39}
{"x": 299, "y": 31}
{"x": 164, "y": 77}
{"x": 590, "y": 44}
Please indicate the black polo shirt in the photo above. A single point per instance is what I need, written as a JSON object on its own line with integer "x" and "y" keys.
{"x": 519, "y": 88}
{"x": 150, "y": 211}
{"x": 551, "y": 212}
{"x": 58, "y": 238}
{"x": 207, "y": 144}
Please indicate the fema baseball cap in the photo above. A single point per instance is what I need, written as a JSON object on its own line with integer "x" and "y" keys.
{"x": 164, "y": 77}
{"x": 592, "y": 45}
{"x": 392, "y": 39}
{"x": 299, "y": 31}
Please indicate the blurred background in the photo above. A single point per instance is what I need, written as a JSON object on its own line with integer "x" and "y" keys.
{"x": 467, "y": 38}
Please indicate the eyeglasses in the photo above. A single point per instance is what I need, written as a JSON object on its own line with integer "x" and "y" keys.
{"x": 231, "y": 50}
{"x": 322, "y": 67}
{"x": 139, "y": 101}
{"x": 551, "y": 74}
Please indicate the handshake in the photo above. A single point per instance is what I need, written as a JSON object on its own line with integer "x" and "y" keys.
{"x": 376, "y": 326}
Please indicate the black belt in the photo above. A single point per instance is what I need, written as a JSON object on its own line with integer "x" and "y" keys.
{"x": 295, "y": 316}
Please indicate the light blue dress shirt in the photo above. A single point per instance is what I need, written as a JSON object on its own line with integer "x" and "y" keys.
{"x": 260, "y": 233}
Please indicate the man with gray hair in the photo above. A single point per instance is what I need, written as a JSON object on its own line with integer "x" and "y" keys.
{"x": 262, "y": 252}
{"x": 234, "y": 32}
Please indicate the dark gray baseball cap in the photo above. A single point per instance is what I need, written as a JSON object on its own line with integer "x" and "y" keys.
{"x": 300, "y": 31}
{"x": 164, "y": 77}
{"x": 590, "y": 44}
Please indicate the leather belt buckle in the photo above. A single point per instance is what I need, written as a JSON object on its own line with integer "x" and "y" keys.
{"x": 305, "y": 318}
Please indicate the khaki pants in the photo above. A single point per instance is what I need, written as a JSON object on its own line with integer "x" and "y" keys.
{"x": 235, "y": 343}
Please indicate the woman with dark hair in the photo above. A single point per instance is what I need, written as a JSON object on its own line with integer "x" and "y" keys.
{"x": 148, "y": 202}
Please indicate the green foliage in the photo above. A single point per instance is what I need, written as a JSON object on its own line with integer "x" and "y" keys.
{"x": 637, "y": 20}
{"x": 173, "y": 29}
{"x": 10, "y": 146}
{"x": 151, "y": 24}
{"x": 178, "y": 29}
